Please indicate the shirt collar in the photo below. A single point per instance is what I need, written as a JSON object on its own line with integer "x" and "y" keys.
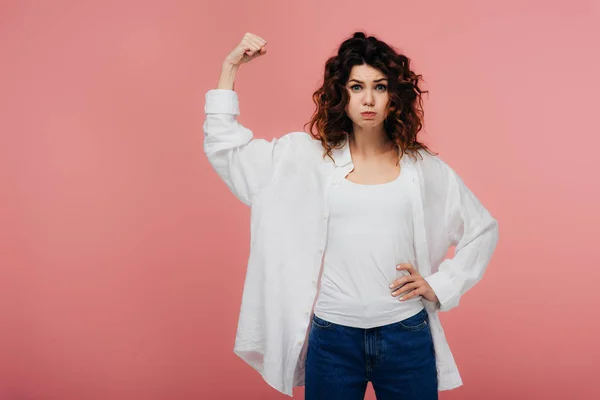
{"x": 342, "y": 156}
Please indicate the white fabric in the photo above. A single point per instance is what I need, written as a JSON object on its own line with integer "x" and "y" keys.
{"x": 370, "y": 232}
{"x": 287, "y": 182}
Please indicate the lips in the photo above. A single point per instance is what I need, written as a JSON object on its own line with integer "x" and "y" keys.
{"x": 368, "y": 113}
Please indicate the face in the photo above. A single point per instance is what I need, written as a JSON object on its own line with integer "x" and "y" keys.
{"x": 367, "y": 88}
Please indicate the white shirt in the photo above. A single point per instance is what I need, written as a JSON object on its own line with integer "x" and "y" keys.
{"x": 370, "y": 232}
{"x": 287, "y": 183}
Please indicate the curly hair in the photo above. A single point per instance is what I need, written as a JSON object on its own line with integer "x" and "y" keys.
{"x": 405, "y": 116}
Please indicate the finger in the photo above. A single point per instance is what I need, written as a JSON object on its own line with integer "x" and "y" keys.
{"x": 250, "y": 52}
{"x": 405, "y": 288}
{"x": 254, "y": 49}
{"x": 402, "y": 281}
{"x": 412, "y": 294}
{"x": 250, "y": 47}
{"x": 407, "y": 267}
{"x": 257, "y": 38}
{"x": 259, "y": 41}
{"x": 263, "y": 41}
{"x": 255, "y": 42}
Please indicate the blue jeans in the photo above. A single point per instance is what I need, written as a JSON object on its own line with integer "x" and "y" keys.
{"x": 398, "y": 359}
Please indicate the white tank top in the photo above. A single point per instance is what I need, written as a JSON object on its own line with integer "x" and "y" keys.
{"x": 370, "y": 232}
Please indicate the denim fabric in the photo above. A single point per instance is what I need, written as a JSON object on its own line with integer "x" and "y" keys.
{"x": 398, "y": 359}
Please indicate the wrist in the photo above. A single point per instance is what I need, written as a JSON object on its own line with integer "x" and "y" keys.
{"x": 227, "y": 78}
{"x": 229, "y": 67}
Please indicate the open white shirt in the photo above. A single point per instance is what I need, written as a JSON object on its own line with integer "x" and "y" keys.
{"x": 287, "y": 182}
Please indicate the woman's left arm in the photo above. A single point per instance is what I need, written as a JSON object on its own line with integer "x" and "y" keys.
{"x": 474, "y": 232}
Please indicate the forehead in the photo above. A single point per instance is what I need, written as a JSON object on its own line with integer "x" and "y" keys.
{"x": 365, "y": 72}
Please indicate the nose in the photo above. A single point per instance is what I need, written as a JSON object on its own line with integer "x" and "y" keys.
{"x": 368, "y": 99}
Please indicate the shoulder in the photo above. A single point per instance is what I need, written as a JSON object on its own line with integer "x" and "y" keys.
{"x": 435, "y": 172}
{"x": 300, "y": 137}
{"x": 431, "y": 163}
{"x": 302, "y": 143}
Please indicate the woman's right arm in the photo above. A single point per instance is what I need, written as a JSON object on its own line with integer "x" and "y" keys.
{"x": 243, "y": 162}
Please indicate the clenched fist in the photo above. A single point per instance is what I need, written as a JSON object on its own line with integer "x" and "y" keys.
{"x": 251, "y": 47}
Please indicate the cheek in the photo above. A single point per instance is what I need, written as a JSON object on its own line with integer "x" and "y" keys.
{"x": 354, "y": 105}
{"x": 385, "y": 111}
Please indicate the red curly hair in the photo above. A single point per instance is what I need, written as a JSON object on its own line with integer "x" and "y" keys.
{"x": 405, "y": 117}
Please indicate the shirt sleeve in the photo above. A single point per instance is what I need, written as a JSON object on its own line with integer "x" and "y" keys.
{"x": 244, "y": 163}
{"x": 474, "y": 232}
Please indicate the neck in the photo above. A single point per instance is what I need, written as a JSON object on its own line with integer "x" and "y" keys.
{"x": 370, "y": 144}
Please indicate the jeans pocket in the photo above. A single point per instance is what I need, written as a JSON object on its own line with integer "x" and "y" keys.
{"x": 320, "y": 323}
{"x": 416, "y": 322}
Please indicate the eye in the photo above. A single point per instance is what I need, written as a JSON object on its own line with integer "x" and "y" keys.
{"x": 383, "y": 87}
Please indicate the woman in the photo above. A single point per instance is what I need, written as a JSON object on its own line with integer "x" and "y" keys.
{"x": 350, "y": 226}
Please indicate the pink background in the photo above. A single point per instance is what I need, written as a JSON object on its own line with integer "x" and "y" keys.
{"x": 122, "y": 255}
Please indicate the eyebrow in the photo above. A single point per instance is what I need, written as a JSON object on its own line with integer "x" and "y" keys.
{"x": 376, "y": 80}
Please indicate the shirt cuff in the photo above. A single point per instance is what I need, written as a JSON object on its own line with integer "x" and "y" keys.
{"x": 443, "y": 289}
{"x": 222, "y": 101}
